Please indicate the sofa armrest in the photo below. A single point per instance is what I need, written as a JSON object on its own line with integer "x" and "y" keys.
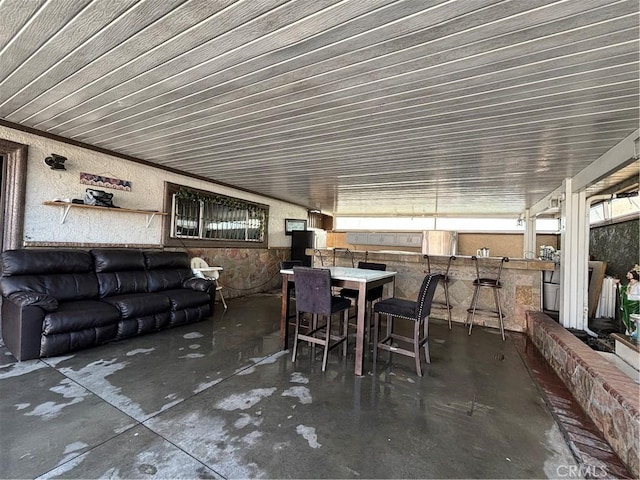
{"x": 42, "y": 300}
{"x": 199, "y": 284}
{"x": 22, "y": 329}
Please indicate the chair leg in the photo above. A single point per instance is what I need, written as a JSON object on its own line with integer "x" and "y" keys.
{"x": 416, "y": 348}
{"x": 390, "y": 319}
{"x": 376, "y": 327}
{"x": 426, "y": 340}
{"x": 496, "y": 296}
{"x": 474, "y": 304}
{"x": 219, "y": 289}
{"x": 367, "y": 321}
{"x": 325, "y": 355}
{"x": 446, "y": 299}
{"x": 295, "y": 336}
{"x": 345, "y": 331}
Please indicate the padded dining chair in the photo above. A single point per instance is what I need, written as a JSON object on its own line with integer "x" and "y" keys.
{"x": 201, "y": 269}
{"x": 413, "y": 311}
{"x": 313, "y": 295}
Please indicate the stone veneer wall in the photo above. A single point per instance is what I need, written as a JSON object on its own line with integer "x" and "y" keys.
{"x": 608, "y": 396}
{"x": 617, "y": 245}
{"x": 246, "y": 270}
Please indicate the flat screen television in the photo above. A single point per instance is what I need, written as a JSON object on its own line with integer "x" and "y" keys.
{"x": 291, "y": 224}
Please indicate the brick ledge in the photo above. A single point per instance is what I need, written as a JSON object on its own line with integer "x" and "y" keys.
{"x": 608, "y": 396}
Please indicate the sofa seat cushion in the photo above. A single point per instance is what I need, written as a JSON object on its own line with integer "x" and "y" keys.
{"x": 182, "y": 298}
{"x": 79, "y": 315}
{"x": 135, "y": 305}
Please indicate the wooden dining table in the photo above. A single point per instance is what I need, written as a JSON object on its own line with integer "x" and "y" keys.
{"x": 358, "y": 279}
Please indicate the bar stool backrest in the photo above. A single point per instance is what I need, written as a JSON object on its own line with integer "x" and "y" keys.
{"x": 372, "y": 266}
{"x": 488, "y": 276}
{"x": 346, "y": 253}
{"x": 377, "y": 291}
{"x": 449, "y": 262}
{"x": 425, "y": 296}
{"x": 289, "y": 264}
{"x": 313, "y": 290}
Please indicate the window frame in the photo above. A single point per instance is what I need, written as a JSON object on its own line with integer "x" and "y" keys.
{"x": 169, "y": 240}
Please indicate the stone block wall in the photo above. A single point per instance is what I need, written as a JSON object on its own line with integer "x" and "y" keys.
{"x": 608, "y": 396}
{"x": 246, "y": 270}
{"x": 617, "y": 245}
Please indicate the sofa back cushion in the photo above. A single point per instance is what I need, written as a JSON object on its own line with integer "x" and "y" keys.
{"x": 119, "y": 271}
{"x": 167, "y": 270}
{"x": 62, "y": 274}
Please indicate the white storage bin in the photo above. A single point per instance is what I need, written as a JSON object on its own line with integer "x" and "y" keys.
{"x": 551, "y": 296}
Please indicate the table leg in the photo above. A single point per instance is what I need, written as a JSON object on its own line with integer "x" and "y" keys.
{"x": 361, "y": 326}
{"x": 284, "y": 313}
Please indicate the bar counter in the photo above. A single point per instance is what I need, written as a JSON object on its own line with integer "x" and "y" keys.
{"x": 521, "y": 282}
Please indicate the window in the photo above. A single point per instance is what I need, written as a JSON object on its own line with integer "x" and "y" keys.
{"x": 199, "y": 218}
{"x": 615, "y": 210}
{"x": 550, "y": 225}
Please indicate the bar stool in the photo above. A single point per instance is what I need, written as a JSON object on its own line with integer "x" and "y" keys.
{"x": 416, "y": 312}
{"x": 313, "y": 295}
{"x": 445, "y": 284}
{"x": 487, "y": 282}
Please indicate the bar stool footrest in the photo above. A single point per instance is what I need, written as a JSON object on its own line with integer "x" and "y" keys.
{"x": 382, "y": 345}
{"x": 486, "y": 311}
{"x": 441, "y": 305}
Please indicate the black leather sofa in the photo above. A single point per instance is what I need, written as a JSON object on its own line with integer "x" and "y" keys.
{"x": 58, "y": 301}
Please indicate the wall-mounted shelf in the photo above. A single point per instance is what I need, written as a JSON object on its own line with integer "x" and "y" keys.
{"x": 68, "y": 206}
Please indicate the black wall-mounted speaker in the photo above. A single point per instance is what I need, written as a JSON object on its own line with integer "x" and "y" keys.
{"x": 56, "y": 162}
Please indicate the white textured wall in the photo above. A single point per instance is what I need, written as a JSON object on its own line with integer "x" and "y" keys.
{"x": 42, "y": 223}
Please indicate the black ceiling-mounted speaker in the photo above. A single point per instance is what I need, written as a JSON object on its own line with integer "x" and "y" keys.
{"x": 56, "y": 162}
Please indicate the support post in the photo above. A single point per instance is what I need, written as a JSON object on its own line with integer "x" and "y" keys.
{"x": 574, "y": 242}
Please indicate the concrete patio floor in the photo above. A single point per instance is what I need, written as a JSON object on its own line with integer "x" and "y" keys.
{"x": 217, "y": 399}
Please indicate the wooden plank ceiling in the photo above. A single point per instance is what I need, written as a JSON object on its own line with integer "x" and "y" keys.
{"x": 378, "y": 107}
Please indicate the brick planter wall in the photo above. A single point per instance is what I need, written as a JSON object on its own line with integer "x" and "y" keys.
{"x": 608, "y": 396}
